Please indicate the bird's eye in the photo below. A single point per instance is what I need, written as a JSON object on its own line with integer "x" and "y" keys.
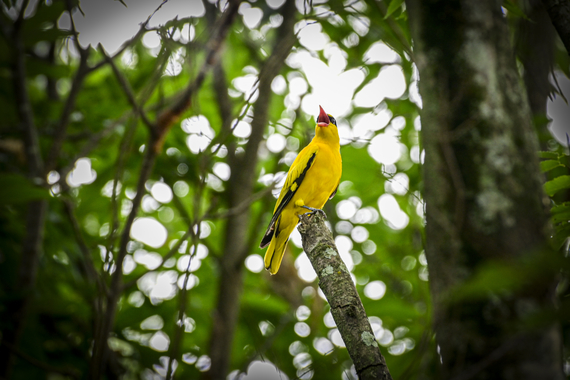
{"x": 332, "y": 119}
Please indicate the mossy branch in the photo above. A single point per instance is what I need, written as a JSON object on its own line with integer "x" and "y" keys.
{"x": 346, "y": 306}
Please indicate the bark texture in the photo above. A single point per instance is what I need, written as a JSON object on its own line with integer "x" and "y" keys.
{"x": 346, "y": 306}
{"x": 485, "y": 204}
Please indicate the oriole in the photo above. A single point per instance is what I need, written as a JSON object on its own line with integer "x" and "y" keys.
{"x": 312, "y": 179}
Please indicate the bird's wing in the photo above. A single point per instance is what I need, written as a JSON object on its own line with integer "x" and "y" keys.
{"x": 295, "y": 177}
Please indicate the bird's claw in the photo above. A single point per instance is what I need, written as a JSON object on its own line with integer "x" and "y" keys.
{"x": 315, "y": 211}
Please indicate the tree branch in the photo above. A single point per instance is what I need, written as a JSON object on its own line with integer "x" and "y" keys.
{"x": 168, "y": 117}
{"x": 36, "y": 213}
{"x": 127, "y": 89}
{"x": 88, "y": 265}
{"x": 61, "y": 131}
{"x": 345, "y": 303}
{"x": 243, "y": 169}
{"x": 156, "y": 138}
{"x": 80, "y": 74}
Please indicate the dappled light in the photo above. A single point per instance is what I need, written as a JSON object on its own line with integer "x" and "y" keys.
{"x": 149, "y": 231}
{"x": 82, "y": 174}
{"x": 144, "y": 146}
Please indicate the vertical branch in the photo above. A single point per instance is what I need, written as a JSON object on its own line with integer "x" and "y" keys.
{"x": 77, "y": 83}
{"x": 183, "y": 295}
{"x": 535, "y": 39}
{"x": 242, "y": 179}
{"x": 345, "y": 303}
{"x": 35, "y": 217}
{"x": 100, "y": 351}
{"x": 157, "y": 135}
{"x": 61, "y": 129}
{"x": 119, "y": 168}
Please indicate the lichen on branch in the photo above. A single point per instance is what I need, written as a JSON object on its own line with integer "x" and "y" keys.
{"x": 346, "y": 307}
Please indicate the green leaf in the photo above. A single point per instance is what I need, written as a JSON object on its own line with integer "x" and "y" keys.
{"x": 550, "y": 155}
{"x": 557, "y": 184}
{"x": 394, "y": 4}
{"x": 561, "y": 217}
{"x": 548, "y": 165}
{"x": 561, "y": 213}
{"x": 18, "y": 189}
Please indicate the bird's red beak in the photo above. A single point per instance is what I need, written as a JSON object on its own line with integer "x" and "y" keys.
{"x": 323, "y": 119}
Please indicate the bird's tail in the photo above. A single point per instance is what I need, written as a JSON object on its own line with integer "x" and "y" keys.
{"x": 276, "y": 249}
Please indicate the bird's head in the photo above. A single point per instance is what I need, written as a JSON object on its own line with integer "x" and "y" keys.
{"x": 324, "y": 119}
{"x": 326, "y": 127}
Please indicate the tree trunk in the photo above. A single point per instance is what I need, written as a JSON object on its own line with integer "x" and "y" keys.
{"x": 487, "y": 224}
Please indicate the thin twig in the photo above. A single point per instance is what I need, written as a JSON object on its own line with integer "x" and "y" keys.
{"x": 142, "y": 30}
{"x": 125, "y": 85}
{"x": 244, "y": 205}
{"x": 76, "y": 84}
{"x": 61, "y": 130}
{"x": 92, "y": 273}
{"x": 92, "y": 143}
{"x": 156, "y": 138}
{"x": 168, "y": 117}
{"x": 119, "y": 168}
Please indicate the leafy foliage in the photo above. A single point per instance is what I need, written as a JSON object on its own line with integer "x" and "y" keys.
{"x": 91, "y": 187}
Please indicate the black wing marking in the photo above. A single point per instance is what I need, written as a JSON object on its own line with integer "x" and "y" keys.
{"x": 277, "y": 231}
{"x": 286, "y": 199}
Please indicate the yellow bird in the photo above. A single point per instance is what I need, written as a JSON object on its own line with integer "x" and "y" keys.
{"x": 312, "y": 180}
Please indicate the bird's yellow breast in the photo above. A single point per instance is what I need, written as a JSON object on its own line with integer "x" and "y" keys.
{"x": 321, "y": 180}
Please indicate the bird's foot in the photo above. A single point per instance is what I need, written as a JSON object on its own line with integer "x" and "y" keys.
{"x": 315, "y": 211}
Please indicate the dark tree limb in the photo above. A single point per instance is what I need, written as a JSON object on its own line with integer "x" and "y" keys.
{"x": 168, "y": 117}
{"x": 559, "y": 12}
{"x": 87, "y": 262}
{"x": 76, "y": 84}
{"x": 36, "y": 212}
{"x": 157, "y": 134}
{"x": 534, "y": 43}
{"x": 346, "y": 306}
{"x": 178, "y": 336}
{"x": 241, "y": 183}
{"x": 61, "y": 131}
